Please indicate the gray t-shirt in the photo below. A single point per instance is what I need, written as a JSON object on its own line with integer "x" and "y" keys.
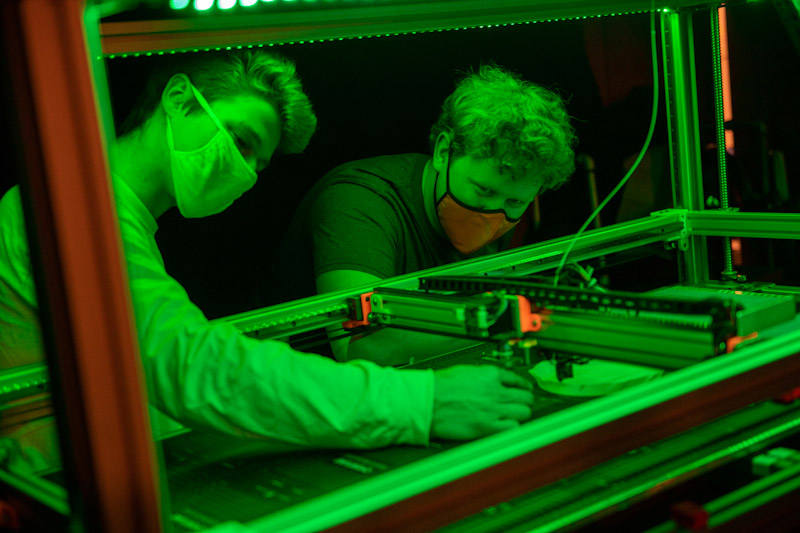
{"x": 367, "y": 215}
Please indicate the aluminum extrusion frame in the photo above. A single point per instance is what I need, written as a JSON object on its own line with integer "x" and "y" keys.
{"x": 260, "y": 26}
{"x": 684, "y": 135}
{"x": 328, "y": 309}
{"x": 436, "y": 491}
{"x": 737, "y": 224}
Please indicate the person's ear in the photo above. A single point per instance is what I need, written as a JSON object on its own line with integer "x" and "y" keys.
{"x": 176, "y": 96}
{"x": 441, "y": 151}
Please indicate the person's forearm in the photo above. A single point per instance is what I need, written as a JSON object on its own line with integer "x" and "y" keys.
{"x": 392, "y": 346}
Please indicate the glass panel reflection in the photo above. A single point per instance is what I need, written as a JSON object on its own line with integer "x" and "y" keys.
{"x": 27, "y": 426}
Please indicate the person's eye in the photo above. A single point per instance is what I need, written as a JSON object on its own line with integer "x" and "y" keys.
{"x": 483, "y": 190}
{"x": 241, "y": 144}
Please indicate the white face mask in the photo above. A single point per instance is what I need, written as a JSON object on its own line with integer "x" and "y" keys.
{"x": 209, "y": 179}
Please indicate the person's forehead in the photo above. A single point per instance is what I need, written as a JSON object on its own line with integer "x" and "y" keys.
{"x": 486, "y": 171}
{"x": 246, "y": 103}
{"x": 255, "y": 112}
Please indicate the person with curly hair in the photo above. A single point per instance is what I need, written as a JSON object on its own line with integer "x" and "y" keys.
{"x": 500, "y": 141}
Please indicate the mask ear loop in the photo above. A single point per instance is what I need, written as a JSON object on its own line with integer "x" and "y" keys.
{"x": 437, "y": 201}
{"x": 170, "y": 140}
{"x": 447, "y": 173}
{"x": 456, "y": 200}
{"x": 170, "y": 137}
{"x": 207, "y": 108}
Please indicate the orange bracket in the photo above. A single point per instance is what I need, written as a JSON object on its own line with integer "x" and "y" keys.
{"x": 689, "y": 515}
{"x": 788, "y": 396}
{"x": 528, "y": 320}
{"x": 359, "y": 312}
{"x": 733, "y": 342}
{"x": 9, "y": 519}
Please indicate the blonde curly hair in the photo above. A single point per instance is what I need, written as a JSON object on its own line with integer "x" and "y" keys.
{"x": 495, "y": 114}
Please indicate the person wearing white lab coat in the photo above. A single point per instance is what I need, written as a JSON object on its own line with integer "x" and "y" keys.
{"x": 202, "y": 135}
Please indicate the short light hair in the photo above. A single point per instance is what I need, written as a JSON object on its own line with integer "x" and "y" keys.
{"x": 257, "y": 72}
{"x": 495, "y": 114}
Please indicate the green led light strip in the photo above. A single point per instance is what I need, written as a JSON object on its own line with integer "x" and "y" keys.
{"x": 371, "y": 36}
{"x": 205, "y": 5}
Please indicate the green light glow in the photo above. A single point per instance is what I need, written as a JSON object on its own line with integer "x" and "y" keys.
{"x": 205, "y": 5}
{"x": 632, "y": 492}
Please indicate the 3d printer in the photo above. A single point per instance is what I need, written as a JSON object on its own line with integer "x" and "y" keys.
{"x": 728, "y": 347}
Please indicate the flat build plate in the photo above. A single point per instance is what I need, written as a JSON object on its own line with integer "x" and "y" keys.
{"x": 759, "y": 310}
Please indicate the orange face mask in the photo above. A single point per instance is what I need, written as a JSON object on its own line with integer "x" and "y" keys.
{"x": 470, "y": 228}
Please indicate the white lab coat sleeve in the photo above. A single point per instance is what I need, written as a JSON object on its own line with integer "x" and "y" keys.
{"x": 206, "y": 374}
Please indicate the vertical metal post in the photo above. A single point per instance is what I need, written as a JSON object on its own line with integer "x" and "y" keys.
{"x": 728, "y": 274}
{"x": 82, "y": 287}
{"x": 684, "y": 135}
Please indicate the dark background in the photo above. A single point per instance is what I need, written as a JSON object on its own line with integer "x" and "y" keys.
{"x": 373, "y": 97}
{"x": 381, "y": 95}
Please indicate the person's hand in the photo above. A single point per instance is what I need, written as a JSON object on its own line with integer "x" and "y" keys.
{"x": 473, "y": 401}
